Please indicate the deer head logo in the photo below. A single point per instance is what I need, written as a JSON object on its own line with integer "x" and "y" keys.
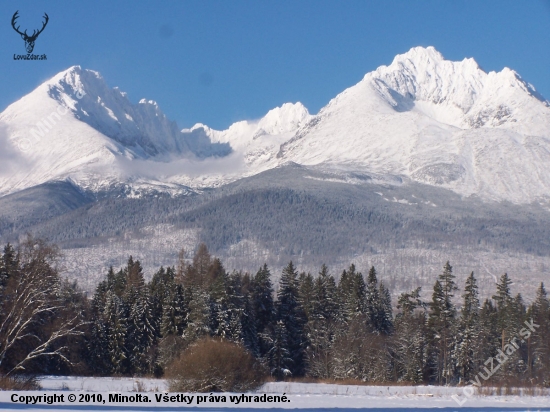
{"x": 29, "y": 40}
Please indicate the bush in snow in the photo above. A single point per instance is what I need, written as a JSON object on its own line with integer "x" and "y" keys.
{"x": 215, "y": 365}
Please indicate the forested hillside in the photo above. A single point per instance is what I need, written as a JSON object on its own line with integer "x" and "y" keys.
{"x": 291, "y": 213}
{"x": 319, "y": 325}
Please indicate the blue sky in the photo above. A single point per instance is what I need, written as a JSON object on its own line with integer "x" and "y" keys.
{"x": 218, "y": 62}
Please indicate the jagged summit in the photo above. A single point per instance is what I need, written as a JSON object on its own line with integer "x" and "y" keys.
{"x": 74, "y": 126}
{"x": 438, "y": 122}
{"x": 422, "y": 117}
{"x": 142, "y": 127}
{"x": 457, "y": 93}
{"x": 423, "y": 74}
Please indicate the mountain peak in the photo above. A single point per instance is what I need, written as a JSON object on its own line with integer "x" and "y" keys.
{"x": 73, "y": 75}
{"x": 284, "y": 119}
{"x": 423, "y": 57}
{"x": 420, "y": 53}
{"x": 429, "y": 119}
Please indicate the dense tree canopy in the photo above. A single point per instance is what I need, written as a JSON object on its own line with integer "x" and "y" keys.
{"x": 313, "y": 325}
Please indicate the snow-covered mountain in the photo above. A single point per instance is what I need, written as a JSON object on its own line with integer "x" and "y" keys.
{"x": 423, "y": 118}
{"x": 437, "y": 122}
{"x": 258, "y": 142}
{"x": 73, "y": 127}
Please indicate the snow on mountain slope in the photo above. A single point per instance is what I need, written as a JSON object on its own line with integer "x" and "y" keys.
{"x": 424, "y": 118}
{"x": 437, "y": 122}
{"x": 74, "y": 127}
{"x": 255, "y": 144}
{"x": 259, "y": 140}
{"x": 141, "y": 128}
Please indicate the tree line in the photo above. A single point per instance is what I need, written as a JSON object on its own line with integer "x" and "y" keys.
{"x": 317, "y": 326}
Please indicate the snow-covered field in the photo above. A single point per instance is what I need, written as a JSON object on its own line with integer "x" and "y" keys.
{"x": 299, "y": 396}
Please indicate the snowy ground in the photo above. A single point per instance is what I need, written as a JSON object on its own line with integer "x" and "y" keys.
{"x": 300, "y": 396}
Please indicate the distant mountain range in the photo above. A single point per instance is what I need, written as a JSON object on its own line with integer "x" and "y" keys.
{"x": 425, "y": 158}
{"x": 424, "y": 118}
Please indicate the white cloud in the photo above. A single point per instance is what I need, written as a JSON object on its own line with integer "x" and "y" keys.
{"x": 189, "y": 166}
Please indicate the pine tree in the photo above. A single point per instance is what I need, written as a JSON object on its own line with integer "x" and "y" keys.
{"x": 291, "y": 314}
{"x": 409, "y": 302}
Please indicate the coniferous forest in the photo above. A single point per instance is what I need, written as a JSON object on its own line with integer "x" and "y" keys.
{"x": 337, "y": 326}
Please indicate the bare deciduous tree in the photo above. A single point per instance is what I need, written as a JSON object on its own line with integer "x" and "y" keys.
{"x": 33, "y": 321}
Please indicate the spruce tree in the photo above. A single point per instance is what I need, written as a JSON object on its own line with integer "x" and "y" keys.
{"x": 506, "y": 319}
{"x": 134, "y": 275}
{"x": 281, "y": 361}
{"x": 467, "y": 342}
{"x": 352, "y": 294}
{"x": 291, "y": 314}
{"x": 116, "y": 329}
{"x": 321, "y": 328}
{"x": 141, "y": 334}
{"x": 249, "y": 335}
{"x": 174, "y": 313}
{"x": 161, "y": 290}
{"x": 198, "y": 314}
{"x": 98, "y": 356}
{"x": 489, "y": 333}
{"x": 385, "y": 318}
{"x": 235, "y": 307}
{"x": 409, "y": 340}
{"x": 441, "y": 325}
{"x": 325, "y": 305}
{"x": 306, "y": 289}
{"x": 263, "y": 308}
{"x": 9, "y": 263}
{"x": 97, "y": 344}
{"x": 219, "y": 300}
{"x": 538, "y": 344}
{"x": 196, "y": 275}
{"x": 372, "y": 301}
{"x": 378, "y": 305}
